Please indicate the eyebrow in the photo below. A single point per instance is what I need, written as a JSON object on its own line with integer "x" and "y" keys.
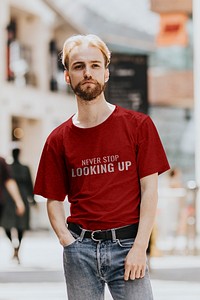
{"x": 82, "y": 62}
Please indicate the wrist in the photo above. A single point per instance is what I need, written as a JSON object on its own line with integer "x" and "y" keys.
{"x": 142, "y": 246}
{"x": 66, "y": 238}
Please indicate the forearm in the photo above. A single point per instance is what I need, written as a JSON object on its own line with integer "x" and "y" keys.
{"x": 13, "y": 190}
{"x": 135, "y": 263}
{"x": 147, "y": 218}
{"x": 57, "y": 219}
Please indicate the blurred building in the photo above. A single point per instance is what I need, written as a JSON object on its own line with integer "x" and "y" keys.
{"x": 178, "y": 37}
{"x": 172, "y": 83}
{"x": 34, "y": 97}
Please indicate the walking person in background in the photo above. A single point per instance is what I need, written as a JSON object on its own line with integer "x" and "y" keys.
{"x": 10, "y": 219}
{"x": 106, "y": 159}
{"x": 8, "y": 183}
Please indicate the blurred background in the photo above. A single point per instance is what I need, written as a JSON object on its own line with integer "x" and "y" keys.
{"x": 154, "y": 69}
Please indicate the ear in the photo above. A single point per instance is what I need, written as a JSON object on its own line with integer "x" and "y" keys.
{"x": 107, "y": 74}
{"x": 66, "y": 74}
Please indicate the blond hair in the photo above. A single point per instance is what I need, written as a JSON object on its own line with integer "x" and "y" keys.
{"x": 90, "y": 39}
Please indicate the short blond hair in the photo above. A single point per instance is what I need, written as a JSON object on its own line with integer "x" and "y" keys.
{"x": 91, "y": 40}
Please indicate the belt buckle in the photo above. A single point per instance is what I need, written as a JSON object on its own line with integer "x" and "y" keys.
{"x": 92, "y": 235}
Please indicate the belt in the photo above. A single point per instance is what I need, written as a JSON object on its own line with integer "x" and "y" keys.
{"x": 125, "y": 232}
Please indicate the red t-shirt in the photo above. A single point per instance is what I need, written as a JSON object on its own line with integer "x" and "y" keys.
{"x": 100, "y": 168}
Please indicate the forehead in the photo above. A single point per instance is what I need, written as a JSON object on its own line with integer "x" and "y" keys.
{"x": 85, "y": 53}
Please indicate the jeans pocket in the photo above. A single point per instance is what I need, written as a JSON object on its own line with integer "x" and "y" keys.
{"x": 70, "y": 245}
{"x": 74, "y": 242}
{"x": 126, "y": 243}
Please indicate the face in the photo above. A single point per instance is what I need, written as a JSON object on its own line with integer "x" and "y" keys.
{"x": 87, "y": 73}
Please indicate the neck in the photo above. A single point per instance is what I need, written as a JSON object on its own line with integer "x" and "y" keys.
{"x": 92, "y": 113}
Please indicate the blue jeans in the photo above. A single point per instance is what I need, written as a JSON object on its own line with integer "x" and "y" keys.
{"x": 89, "y": 265}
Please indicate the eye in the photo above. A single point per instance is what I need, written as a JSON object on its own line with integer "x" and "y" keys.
{"x": 78, "y": 67}
{"x": 95, "y": 66}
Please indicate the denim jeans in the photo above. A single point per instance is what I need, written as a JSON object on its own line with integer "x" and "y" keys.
{"x": 89, "y": 265}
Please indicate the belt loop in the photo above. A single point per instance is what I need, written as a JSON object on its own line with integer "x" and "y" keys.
{"x": 114, "y": 239}
{"x": 82, "y": 234}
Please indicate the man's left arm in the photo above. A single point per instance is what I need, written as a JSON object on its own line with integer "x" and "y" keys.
{"x": 135, "y": 263}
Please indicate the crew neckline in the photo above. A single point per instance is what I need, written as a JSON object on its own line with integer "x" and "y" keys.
{"x": 104, "y": 123}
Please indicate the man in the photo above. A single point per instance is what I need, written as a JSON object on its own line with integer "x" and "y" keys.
{"x": 106, "y": 159}
{"x": 7, "y": 182}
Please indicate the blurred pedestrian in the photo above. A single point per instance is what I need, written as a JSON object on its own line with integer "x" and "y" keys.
{"x": 8, "y": 183}
{"x": 107, "y": 160}
{"x": 11, "y": 220}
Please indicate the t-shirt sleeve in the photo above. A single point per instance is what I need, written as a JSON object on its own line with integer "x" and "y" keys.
{"x": 151, "y": 157}
{"x": 52, "y": 180}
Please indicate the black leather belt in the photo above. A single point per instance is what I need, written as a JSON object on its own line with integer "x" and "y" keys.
{"x": 125, "y": 232}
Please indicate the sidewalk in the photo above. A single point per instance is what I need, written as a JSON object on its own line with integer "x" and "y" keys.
{"x": 40, "y": 274}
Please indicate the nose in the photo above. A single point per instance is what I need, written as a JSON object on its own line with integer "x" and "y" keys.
{"x": 87, "y": 73}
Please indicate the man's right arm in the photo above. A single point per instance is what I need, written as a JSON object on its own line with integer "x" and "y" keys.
{"x": 57, "y": 219}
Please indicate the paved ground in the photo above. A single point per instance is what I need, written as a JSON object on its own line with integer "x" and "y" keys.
{"x": 40, "y": 275}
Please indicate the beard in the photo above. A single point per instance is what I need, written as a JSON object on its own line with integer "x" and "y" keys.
{"x": 89, "y": 93}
